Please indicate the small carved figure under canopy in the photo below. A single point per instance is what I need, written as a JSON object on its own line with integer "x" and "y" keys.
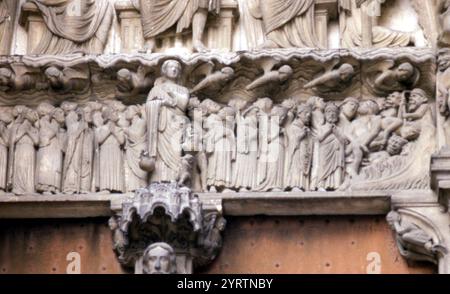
{"x": 413, "y": 242}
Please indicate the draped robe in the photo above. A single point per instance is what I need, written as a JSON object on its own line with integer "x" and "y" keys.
{"x": 160, "y": 15}
{"x": 166, "y": 125}
{"x": 67, "y": 33}
{"x": 290, "y": 23}
{"x": 135, "y": 144}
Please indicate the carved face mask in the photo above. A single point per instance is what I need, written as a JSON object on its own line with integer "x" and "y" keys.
{"x": 158, "y": 261}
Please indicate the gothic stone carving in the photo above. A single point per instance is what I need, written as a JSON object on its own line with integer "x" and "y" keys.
{"x": 364, "y": 134}
{"x": 171, "y": 214}
{"x": 413, "y": 242}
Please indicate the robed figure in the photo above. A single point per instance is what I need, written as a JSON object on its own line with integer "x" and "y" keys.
{"x": 167, "y": 122}
{"x": 288, "y": 23}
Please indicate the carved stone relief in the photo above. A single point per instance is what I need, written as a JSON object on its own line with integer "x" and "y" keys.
{"x": 164, "y": 229}
{"x": 206, "y": 125}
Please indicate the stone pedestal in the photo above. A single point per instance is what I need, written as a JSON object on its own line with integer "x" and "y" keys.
{"x": 130, "y": 27}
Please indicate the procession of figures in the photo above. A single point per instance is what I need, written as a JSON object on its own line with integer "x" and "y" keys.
{"x": 244, "y": 145}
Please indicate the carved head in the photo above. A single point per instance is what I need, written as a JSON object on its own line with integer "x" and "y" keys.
{"x": 317, "y": 103}
{"x": 289, "y": 103}
{"x": 19, "y": 111}
{"x": 228, "y": 72}
{"x": 97, "y": 119}
{"x": 58, "y": 115}
{"x": 68, "y": 106}
{"x": 45, "y": 109}
{"x": 32, "y": 116}
{"x": 188, "y": 160}
{"x": 6, "y": 115}
{"x": 304, "y": 113}
{"x": 346, "y": 72}
{"x": 264, "y": 104}
{"x": 159, "y": 258}
{"x": 5, "y": 76}
{"x": 227, "y": 113}
{"x": 210, "y": 106}
{"x": 285, "y": 73}
{"x": 124, "y": 76}
{"x": 349, "y": 107}
{"x": 279, "y": 111}
{"x": 171, "y": 69}
{"x": 132, "y": 112}
{"x": 394, "y": 99}
{"x": 416, "y": 99}
{"x": 392, "y": 218}
{"x": 331, "y": 113}
{"x": 405, "y": 72}
{"x": 54, "y": 76}
{"x": 395, "y": 145}
{"x": 368, "y": 107}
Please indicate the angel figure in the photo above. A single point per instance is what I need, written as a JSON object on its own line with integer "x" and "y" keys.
{"x": 134, "y": 83}
{"x": 18, "y": 78}
{"x": 67, "y": 80}
{"x": 334, "y": 79}
{"x": 279, "y": 76}
{"x": 384, "y": 78}
{"x": 214, "y": 80}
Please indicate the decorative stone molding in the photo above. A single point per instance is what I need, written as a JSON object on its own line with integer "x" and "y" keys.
{"x": 170, "y": 214}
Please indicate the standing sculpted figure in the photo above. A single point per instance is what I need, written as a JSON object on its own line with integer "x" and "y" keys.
{"x": 167, "y": 122}
{"x": 274, "y": 180}
{"x": 317, "y": 121}
{"x": 75, "y": 126}
{"x": 332, "y": 143}
{"x": 300, "y": 147}
{"x": 50, "y": 153}
{"x": 6, "y": 120}
{"x": 24, "y": 139}
{"x": 135, "y": 145}
{"x": 158, "y": 16}
{"x": 265, "y": 106}
{"x": 221, "y": 149}
{"x": 110, "y": 139}
{"x": 245, "y": 173}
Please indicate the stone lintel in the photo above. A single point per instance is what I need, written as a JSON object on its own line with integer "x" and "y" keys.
{"x": 237, "y": 204}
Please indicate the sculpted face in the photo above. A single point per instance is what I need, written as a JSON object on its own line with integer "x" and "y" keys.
{"x": 405, "y": 72}
{"x": 416, "y": 99}
{"x": 350, "y": 109}
{"x": 332, "y": 114}
{"x": 158, "y": 260}
{"x": 305, "y": 116}
{"x": 394, "y": 99}
{"x": 5, "y": 76}
{"x": 346, "y": 72}
{"x": 172, "y": 69}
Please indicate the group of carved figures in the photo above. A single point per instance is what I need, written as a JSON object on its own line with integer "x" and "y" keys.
{"x": 71, "y": 149}
{"x": 245, "y": 145}
{"x": 83, "y": 26}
